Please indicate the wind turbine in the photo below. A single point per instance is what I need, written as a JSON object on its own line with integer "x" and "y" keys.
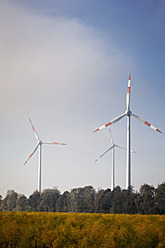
{"x": 39, "y": 144}
{"x": 113, "y": 146}
{"x": 128, "y": 113}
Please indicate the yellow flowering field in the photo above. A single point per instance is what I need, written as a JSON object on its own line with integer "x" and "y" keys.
{"x": 38, "y": 229}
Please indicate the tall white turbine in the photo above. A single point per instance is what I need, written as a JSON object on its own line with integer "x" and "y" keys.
{"x": 39, "y": 144}
{"x": 113, "y": 146}
{"x": 128, "y": 113}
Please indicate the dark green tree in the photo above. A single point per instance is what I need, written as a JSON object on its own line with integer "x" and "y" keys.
{"x": 159, "y": 199}
{"x": 124, "y": 201}
{"x": 103, "y": 201}
{"x": 82, "y": 199}
{"x": 73, "y": 200}
{"x": 118, "y": 202}
{"x": 98, "y": 201}
{"x": 1, "y": 203}
{"x": 34, "y": 201}
{"x": 9, "y": 202}
{"x": 145, "y": 200}
{"x": 64, "y": 203}
{"x": 22, "y": 203}
{"x": 89, "y": 198}
{"x": 49, "y": 199}
{"x": 129, "y": 206}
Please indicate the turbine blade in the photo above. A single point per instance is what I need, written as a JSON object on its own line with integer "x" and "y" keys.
{"x": 54, "y": 143}
{"x": 35, "y": 149}
{"x": 128, "y": 92}
{"x": 145, "y": 122}
{"x": 112, "y": 142}
{"x": 35, "y": 133}
{"x": 111, "y": 122}
{"x": 104, "y": 153}
{"x": 124, "y": 148}
{"x": 121, "y": 147}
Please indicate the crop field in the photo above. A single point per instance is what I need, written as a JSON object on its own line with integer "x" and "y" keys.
{"x": 37, "y": 229}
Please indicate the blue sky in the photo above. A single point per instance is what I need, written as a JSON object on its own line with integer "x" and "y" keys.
{"x": 65, "y": 64}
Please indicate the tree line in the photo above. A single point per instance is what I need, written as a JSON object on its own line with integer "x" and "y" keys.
{"x": 148, "y": 200}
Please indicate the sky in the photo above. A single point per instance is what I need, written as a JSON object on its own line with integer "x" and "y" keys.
{"x": 65, "y": 65}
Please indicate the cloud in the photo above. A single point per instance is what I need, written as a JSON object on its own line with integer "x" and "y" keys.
{"x": 61, "y": 73}
{"x": 48, "y": 61}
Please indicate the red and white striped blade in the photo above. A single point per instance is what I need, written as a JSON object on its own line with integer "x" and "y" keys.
{"x": 128, "y": 93}
{"x": 104, "y": 153}
{"x": 145, "y": 122}
{"x": 54, "y": 143}
{"x": 111, "y": 122}
{"x": 35, "y": 133}
{"x": 35, "y": 149}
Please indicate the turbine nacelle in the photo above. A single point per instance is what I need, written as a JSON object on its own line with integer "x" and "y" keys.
{"x": 128, "y": 112}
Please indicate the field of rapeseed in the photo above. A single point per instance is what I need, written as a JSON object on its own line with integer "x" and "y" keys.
{"x": 37, "y": 229}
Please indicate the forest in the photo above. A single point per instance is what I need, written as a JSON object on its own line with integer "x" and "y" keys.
{"x": 148, "y": 200}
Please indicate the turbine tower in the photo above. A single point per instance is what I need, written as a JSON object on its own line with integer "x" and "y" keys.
{"x": 39, "y": 144}
{"x": 113, "y": 146}
{"x": 128, "y": 113}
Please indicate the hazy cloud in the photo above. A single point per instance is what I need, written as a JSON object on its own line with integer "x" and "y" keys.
{"x": 50, "y": 60}
{"x": 62, "y": 72}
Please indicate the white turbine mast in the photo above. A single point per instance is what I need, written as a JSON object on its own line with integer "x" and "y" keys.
{"x": 113, "y": 146}
{"x": 39, "y": 144}
{"x": 128, "y": 113}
